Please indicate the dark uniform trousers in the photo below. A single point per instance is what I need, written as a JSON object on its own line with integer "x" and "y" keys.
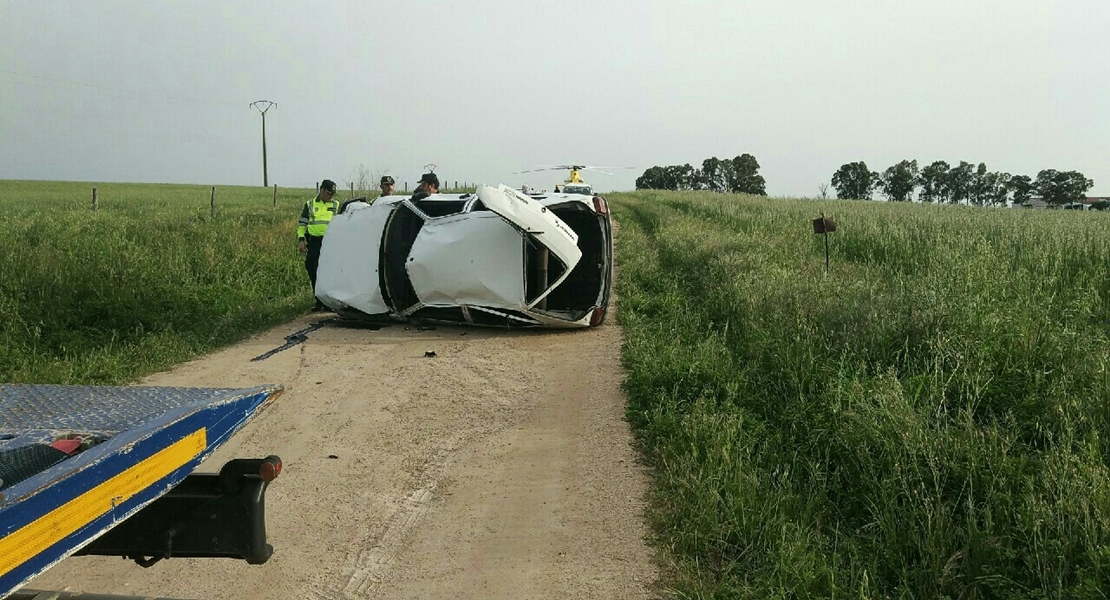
{"x": 312, "y": 259}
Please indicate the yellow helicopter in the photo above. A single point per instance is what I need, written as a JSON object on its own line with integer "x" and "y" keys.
{"x": 574, "y": 184}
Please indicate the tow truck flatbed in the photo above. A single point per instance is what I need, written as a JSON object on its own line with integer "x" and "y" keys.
{"x": 81, "y": 460}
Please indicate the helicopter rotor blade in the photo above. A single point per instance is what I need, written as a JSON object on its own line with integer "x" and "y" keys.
{"x": 572, "y": 168}
{"x": 537, "y": 170}
{"x": 569, "y": 167}
{"x": 602, "y": 170}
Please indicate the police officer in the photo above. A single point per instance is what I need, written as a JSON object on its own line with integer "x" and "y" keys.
{"x": 315, "y": 216}
{"x": 428, "y": 185}
{"x": 387, "y": 185}
{"x": 387, "y": 190}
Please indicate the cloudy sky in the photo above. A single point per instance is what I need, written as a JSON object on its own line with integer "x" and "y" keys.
{"x": 129, "y": 90}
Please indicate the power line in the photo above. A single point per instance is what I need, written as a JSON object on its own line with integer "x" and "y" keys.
{"x": 115, "y": 89}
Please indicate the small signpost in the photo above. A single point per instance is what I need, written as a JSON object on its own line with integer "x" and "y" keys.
{"x": 825, "y": 226}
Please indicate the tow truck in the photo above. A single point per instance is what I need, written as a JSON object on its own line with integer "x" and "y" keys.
{"x": 106, "y": 470}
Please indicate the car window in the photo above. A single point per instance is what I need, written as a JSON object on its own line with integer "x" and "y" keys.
{"x": 541, "y": 269}
{"x": 440, "y": 208}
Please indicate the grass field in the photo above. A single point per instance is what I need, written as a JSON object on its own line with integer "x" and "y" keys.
{"x": 148, "y": 280}
{"x": 929, "y": 420}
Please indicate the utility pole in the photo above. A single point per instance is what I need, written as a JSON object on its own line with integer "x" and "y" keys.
{"x": 262, "y": 106}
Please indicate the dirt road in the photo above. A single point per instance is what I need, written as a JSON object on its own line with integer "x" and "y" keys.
{"x": 500, "y": 468}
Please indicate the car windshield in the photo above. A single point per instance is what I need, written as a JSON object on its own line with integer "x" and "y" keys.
{"x": 576, "y": 189}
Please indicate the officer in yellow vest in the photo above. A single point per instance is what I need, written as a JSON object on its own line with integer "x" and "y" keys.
{"x": 315, "y": 216}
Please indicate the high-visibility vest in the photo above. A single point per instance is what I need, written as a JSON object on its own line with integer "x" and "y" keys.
{"x": 315, "y": 217}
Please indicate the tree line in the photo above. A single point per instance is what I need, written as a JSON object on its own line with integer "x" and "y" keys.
{"x": 737, "y": 175}
{"x": 962, "y": 184}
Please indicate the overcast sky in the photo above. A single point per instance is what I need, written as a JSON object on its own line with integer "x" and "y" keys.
{"x": 142, "y": 91}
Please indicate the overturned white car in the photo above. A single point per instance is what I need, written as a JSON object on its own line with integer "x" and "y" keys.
{"x": 496, "y": 257}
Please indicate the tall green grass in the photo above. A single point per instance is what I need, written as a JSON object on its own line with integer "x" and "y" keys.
{"x": 929, "y": 420}
{"x": 147, "y": 281}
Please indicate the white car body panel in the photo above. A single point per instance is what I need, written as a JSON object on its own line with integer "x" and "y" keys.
{"x": 348, "y": 273}
{"x": 473, "y": 260}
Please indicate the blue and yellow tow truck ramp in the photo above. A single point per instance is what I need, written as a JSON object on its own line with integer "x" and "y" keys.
{"x": 76, "y": 461}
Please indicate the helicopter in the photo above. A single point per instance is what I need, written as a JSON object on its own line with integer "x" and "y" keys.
{"x": 573, "y": 184}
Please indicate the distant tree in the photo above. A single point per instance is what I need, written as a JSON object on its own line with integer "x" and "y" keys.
{"x": 988, "y": 187}
{"x": 959, "y": 182}
{"x": 934, "y": 182}
{"x": 674, "y": 177}
{"x": 996, "y": 188}
{"x": 362, "y": 179}
{"x": 1062, "y": 187}
{"x": 652, "y": 179}
{"x": 745, "y": 178}
{"x": 977, "y": 189}
{"x": 740, "y": 174}
{"x": 899, "y": 181}
{"x": 823, "y": 189}
{"x": 1100, "y": 205}
{"x": 680, "y": 177}
{"x": 1021, "y": 187}
{"x": 855, "y": 180}
{"x": 713, "y": 175}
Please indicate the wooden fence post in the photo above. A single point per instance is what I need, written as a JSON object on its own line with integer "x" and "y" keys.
{"x": 212, "y": 202}
{"x": 95, "y": 202}
{"x": 352, "y": 189}
{"x": 275, "y": 195}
